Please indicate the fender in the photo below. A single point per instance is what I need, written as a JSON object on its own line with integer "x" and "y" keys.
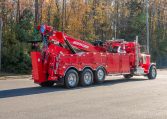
{"x": 87, "y": 67}
{"x": 78, "y": 70}
{"x": 70, "y": 67}
{"x": 152, "y": 64}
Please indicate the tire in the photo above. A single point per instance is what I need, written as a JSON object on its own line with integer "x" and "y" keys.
{"x": 152, "y": 73}
{"x": 128, "y": 76}
{"x": 47, "y": 84}
{"x": 71, "y": 79}
{"x": 86, "y": 78}
{"x": 100, "y": 75}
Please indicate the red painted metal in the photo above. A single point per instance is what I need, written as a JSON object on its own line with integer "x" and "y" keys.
{"x": 37, "y": 69}
{"x": 54, "y": 61}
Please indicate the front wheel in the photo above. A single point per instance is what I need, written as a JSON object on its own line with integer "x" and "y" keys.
{"x": 152, "y": 73}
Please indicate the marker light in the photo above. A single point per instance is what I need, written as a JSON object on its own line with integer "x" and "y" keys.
{"x": 43, "y": 28}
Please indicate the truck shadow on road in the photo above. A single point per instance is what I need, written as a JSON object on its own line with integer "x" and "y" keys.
{"x": 41, "y": 90}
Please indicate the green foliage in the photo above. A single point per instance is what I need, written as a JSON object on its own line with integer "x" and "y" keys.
{"x": 15, "y": 57}
{"x": 25, "y": 26}
{"x": 136, "y": 24}
{"x": 159, "y": 49}
{"x": 56, "y": 22}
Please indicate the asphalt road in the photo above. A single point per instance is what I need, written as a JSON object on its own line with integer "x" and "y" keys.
{"x": 137, "y": 98}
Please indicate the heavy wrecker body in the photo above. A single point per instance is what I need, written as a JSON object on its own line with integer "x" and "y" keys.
{"x": 71, "y": 61}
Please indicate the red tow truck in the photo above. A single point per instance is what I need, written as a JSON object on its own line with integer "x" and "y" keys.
{"x": 63, "y": 59}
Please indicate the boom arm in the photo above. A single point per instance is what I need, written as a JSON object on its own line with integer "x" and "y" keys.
{"x": 72, "y": 43}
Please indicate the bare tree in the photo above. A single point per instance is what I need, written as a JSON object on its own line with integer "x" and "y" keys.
{"x": 18, "y": 11}
{"x": 1, "y": 24}
{"x": 36, "y": 12}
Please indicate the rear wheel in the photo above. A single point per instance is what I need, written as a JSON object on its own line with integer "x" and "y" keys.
{"x": 152, "y": 73}
{"x": 128, "y": 76}
{"x": 100, "y": 75}
{"x": 86, "y": 77}
{"x": 47, "y": 84}
{"x": 71, "y": 79}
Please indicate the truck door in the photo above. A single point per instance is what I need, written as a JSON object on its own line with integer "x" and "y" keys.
{"x": 124, "y": 63}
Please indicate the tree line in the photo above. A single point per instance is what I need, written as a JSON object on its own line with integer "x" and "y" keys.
{"x": 85, "y": 19}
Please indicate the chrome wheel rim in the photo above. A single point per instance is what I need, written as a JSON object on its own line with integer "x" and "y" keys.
{"x": 100, "y": 74}
{"x": 153, "y": 72}
{"x": 87, "y": 78}
{"x": 72, "y": 79}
